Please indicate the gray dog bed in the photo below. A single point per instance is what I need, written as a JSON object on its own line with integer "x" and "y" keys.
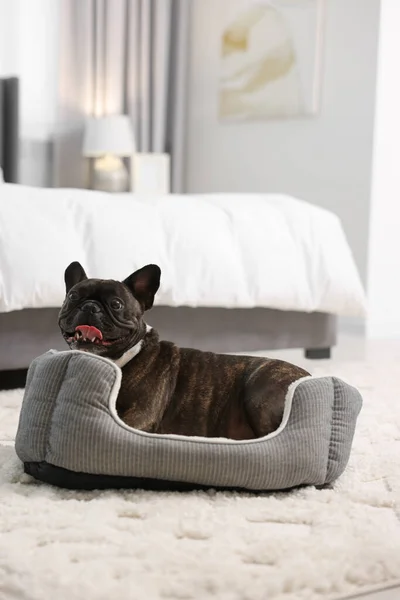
{"x": 70, "y": 435}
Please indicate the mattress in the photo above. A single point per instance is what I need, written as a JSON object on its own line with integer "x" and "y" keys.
{"x": 217, "y": 250}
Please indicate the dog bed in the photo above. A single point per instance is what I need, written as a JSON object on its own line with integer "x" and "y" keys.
{"x": 70, "y": 435}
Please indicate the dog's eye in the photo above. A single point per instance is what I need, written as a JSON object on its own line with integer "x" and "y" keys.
{"x": 116, "y": 304}
{"x": 73, "y": 296}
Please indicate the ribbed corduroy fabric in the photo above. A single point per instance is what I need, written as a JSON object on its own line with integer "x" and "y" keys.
{"x": 68, "y": 420}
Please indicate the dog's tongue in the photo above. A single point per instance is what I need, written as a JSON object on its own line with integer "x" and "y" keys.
{"x": 89, "y": 332}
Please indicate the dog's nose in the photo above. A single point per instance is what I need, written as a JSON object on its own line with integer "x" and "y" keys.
{"x": 91, "y": 307}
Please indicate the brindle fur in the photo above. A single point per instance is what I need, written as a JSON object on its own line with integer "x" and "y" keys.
{"x": 166, "y": 389}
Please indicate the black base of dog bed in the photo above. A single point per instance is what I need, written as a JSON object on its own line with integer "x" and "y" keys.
{"x": 63, "y": 478}
{"x": 71, "y": 480}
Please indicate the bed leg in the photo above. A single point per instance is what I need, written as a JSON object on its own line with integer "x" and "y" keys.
{"x": 317, "y": 353}
{"x": 10, "y": 380}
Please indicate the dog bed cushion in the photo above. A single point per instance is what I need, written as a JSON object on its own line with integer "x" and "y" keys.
{"x": 70, "y": 435}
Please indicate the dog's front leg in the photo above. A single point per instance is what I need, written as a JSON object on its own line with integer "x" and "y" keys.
{"x": 142, "y": 408}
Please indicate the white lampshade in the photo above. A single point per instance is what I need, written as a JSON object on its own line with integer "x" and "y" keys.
{"x": 109, "y": 135}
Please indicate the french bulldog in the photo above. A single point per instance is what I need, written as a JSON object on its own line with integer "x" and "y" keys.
{"x": 166, "y": 389}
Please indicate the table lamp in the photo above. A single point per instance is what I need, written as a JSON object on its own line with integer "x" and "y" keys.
{"x": 108, "y": 139}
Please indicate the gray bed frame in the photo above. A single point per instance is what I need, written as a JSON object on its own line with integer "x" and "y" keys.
{"x": 27, "y": 333}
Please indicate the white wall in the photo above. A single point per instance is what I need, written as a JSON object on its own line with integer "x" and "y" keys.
{"x": 384, "y": 259}
{"x": 327, "y": 159}
{"x": 29, "y": 34}
{"x": 38, "y": 50}
{"x": 9, "y": 32}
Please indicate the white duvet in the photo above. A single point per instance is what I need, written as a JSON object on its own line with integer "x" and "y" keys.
{"x": 225, "y": 250}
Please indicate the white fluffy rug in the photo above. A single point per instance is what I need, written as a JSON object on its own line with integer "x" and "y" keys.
{"x": 306, "y": 544}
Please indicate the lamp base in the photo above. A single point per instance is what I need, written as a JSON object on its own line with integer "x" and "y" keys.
{"x": 110, "y": 175}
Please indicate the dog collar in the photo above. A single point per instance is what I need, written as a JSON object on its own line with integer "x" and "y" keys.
{"x": 132, "y": 352}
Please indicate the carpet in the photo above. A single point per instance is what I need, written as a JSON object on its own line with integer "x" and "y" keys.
{"x": 133, "y": 545}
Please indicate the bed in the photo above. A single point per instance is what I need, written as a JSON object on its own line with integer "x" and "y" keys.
{"x": 240, "y": 272}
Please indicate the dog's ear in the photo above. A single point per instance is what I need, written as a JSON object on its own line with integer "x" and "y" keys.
{"x": 73, "y": 275}
{"x": 144, "y": 284}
